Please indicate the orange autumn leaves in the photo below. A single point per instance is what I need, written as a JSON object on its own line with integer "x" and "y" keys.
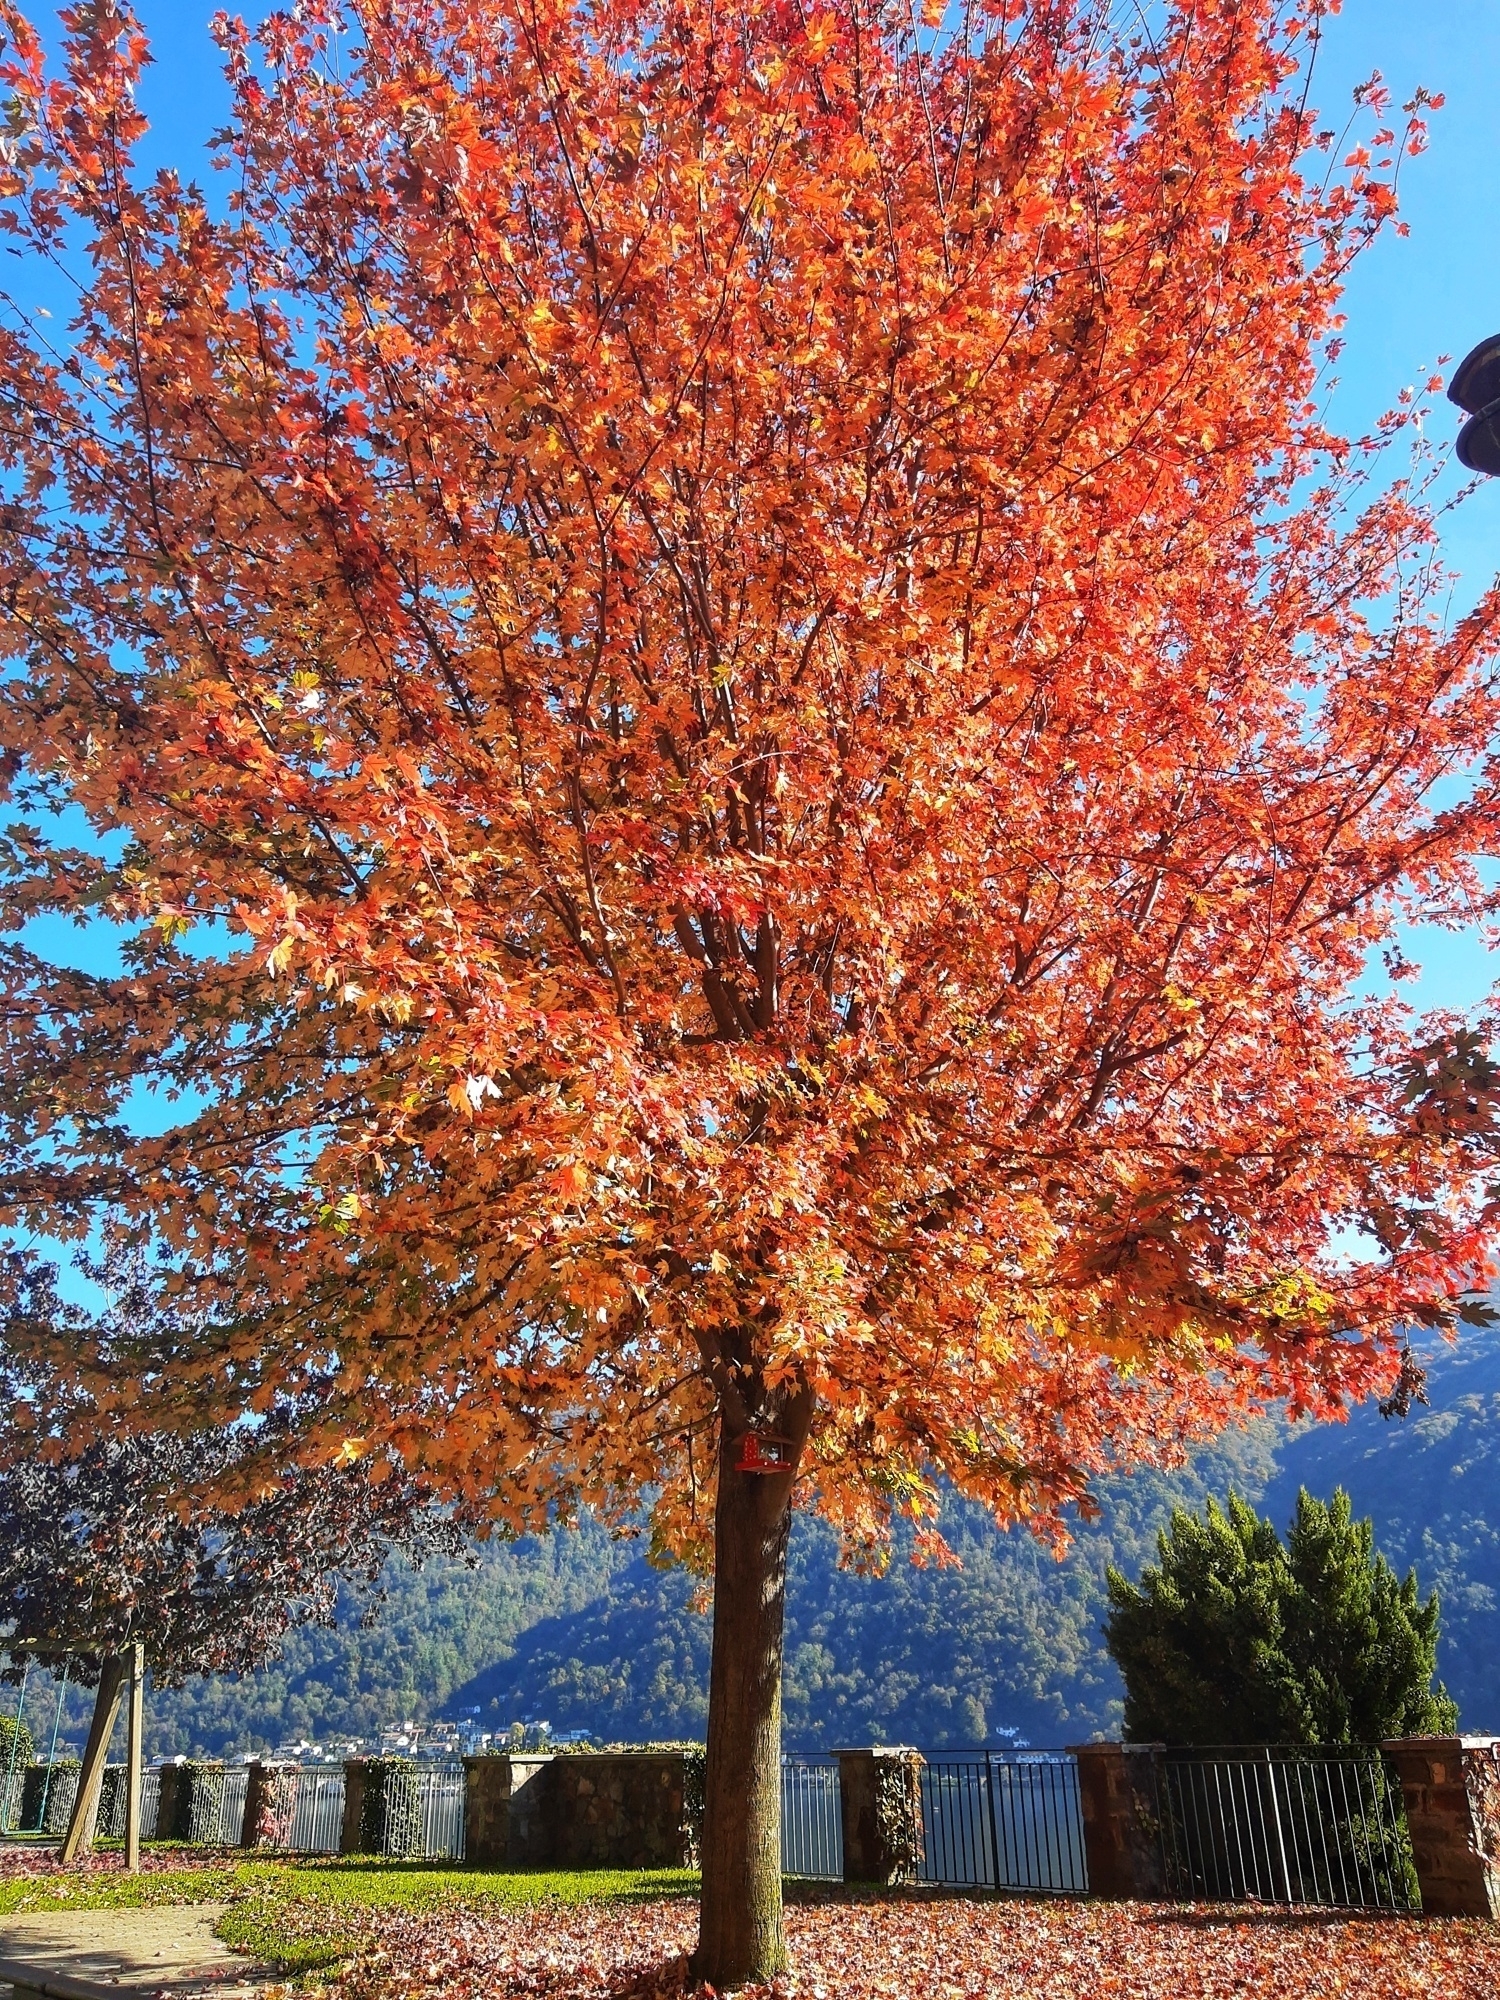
{"x": 752, "y": 736}
{"x": 942, "y": 1948}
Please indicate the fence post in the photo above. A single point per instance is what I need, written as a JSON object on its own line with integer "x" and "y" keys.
{"x": 487, "y": 1811}
{"x": 990, "y": 1786}
{"x": 534, "y": 1836}
{"x": 260, "y": 1781}
{"x": 172, "y": 1806}
{"x": 1451, "y": 1788}
{"x": 352, "y": 1829}
{"x": 1286, "y": 1873}
{"x": 880, "y": 1802}
{"x": 1119, "y": 1791}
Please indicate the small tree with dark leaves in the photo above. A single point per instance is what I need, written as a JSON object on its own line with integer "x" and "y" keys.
{"x": 186, "y": 1542}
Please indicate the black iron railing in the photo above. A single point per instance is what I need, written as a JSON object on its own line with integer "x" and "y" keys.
{"x": 812, "y": 1824}
{"x": 1285, "y": 1825}
{"x": 1292, "y": 1826}
{"x": 1003, "y": 1820}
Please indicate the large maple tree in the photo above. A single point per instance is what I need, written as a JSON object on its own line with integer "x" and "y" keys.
{"x": 752, "y": 744}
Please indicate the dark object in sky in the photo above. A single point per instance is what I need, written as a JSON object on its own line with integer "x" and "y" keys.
{"x": 1476, "y": 388}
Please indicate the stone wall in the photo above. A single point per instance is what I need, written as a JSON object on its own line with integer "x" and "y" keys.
{"x": 504, "y": 1800}
{"x": 1451, "y": 1785}
{"x": 619, "y": 1811}
{"x": 532, "y": 1836}
{"x": 595, "y": 1810}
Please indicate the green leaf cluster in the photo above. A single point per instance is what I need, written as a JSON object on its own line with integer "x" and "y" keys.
{"x": 390, "y": 1814}
{"x": 1234, "y": 1636}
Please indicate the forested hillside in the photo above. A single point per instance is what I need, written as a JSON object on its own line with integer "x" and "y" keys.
{"x": 1432, "y": 1487}
{"x": 583, "y": 1632}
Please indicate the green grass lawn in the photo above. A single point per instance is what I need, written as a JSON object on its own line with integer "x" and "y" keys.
{"x": 309, "y": 1914}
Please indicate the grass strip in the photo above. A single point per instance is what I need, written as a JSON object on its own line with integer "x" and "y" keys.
{"x": 309, "y": 1915}
{"x": 310, "y": 1919}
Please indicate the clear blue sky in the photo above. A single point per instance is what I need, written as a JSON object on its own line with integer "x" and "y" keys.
{"x": 1410, "y": 301}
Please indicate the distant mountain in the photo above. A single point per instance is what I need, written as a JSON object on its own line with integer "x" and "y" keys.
{"x": 583, "y": 1631}
{"x": 1009, "y": 1643}
{"x": 1431, "y": 1485}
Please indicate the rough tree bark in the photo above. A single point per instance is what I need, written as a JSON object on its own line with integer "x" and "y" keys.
{"x": 740, "y": 1935}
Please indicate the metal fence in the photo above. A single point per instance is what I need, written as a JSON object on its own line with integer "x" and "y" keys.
{"x": 1003, "y": 1820}
{"x": 812, "y": 1818}
{"x": 217, "y": 1808}
{"x": 112, "y": 1800}
{"x": 305, "y": 1809}
{"x": 425, "y": 1812}
{"x": 424, "y": 1817}
{"x": 1286, "y": 1826}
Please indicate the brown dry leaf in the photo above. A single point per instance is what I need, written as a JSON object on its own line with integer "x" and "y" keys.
{"x": 948, "y": 1948}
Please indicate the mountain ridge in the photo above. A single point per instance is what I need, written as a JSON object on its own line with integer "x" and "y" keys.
{"x": 580, "y": 1630}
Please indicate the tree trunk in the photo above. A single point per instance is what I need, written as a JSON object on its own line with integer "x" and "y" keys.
{"x": 79, "y": 1837}
{"x": 740, "y": 1934}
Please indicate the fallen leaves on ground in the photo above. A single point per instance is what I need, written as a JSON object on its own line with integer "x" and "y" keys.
{"x": 948, "y": 1948}
{"x": 25, "y": 1859}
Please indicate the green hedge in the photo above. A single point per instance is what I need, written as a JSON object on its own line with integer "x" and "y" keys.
{"x": 195, "y": 1803}
{"x": 47, "y": 1802}
{"x": 16, "y": 1751}
{"x": 694, "y": 1778}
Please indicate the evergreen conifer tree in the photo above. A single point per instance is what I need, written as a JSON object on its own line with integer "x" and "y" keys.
{"x": 1233, "y": 1636}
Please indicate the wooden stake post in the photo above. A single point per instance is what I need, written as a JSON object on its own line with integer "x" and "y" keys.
{"x": 137, "y": 1658}
{"x": 117, "y": 1671}
{"x": 80, "y": 1835}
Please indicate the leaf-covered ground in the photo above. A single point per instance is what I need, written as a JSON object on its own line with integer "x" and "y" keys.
{"x": 404, "y": 1931}
{"x": 306, "y": 1913}
{"x": 939, "y": 1949}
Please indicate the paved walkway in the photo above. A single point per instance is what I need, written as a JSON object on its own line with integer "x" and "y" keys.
{"x": 109, "y": 1954}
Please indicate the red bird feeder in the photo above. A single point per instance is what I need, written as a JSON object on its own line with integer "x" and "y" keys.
{"x": 760, "y": 1452}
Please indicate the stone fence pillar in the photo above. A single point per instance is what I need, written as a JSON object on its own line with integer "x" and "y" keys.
{"x": 356, "y": 1782}
{"x": 596, "y": 1809}
{"x": 880, "y": 1800}
{"x": 260, "y": 1802}
{"x": 510, "y": 1811}
{"x": 532, "y": 1821}
{"x": 174, "y": 1802}
{"x": 1451, "y": 1786}
{"x": 1117, "y": 1787}
{"x": 487, "y": 1811}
